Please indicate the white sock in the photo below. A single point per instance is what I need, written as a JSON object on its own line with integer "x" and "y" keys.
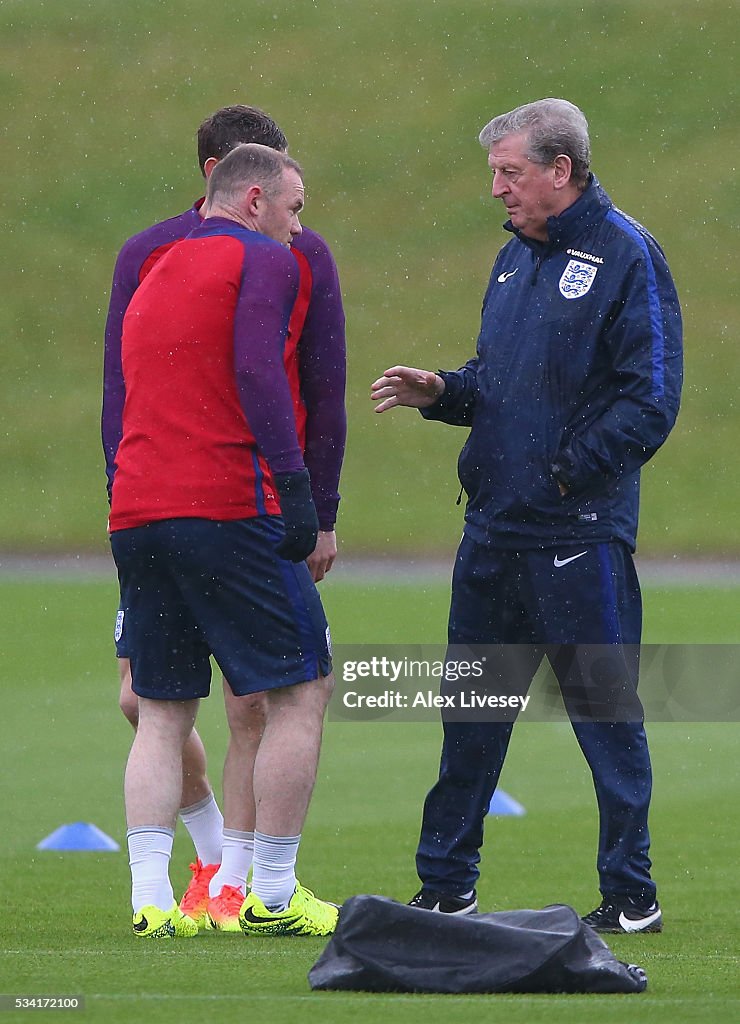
{"x": 273, "y": 869}
{"x": 149, "y": 852}
{"x": 204, "y": 823}
{"x": 236, "y": 860}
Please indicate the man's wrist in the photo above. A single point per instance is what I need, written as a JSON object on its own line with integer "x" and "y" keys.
{"x": 447, "y": 388}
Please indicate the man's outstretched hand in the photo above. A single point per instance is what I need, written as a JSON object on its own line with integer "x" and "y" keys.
{"x": 406, "y": 385}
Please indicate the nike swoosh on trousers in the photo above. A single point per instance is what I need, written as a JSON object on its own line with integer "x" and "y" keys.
{"x": 558, "y": 562}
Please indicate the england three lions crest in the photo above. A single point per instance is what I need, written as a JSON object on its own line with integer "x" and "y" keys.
{"x": 577, "y": 279}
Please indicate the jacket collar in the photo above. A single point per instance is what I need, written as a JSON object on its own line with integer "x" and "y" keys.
{"x": 590, "y": 208}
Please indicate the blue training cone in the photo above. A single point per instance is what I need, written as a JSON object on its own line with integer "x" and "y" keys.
{"x": 78, "y": 836}
{"x": 502, "y": 803}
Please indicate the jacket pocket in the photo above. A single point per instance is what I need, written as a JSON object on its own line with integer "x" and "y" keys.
{"x": 468, "y": 469}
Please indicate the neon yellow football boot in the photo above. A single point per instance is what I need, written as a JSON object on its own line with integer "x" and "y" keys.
{"x": 153, "y": 923}
{"x": 304, "y": 915}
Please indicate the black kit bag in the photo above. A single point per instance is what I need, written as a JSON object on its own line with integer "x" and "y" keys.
{"x": 384, "y": 946}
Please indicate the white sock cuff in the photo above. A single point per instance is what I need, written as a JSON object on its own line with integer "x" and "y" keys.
{"x": 260, "y": 837}
{"x": 150, "y": 830}
{"x": 195, "y": 808}
{"x": 144, "y": 843}
{"x": 239, "y": 837}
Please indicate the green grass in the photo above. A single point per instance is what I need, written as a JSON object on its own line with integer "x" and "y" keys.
{"x": 382, "y": 103}
{"x": 65, "y": 926}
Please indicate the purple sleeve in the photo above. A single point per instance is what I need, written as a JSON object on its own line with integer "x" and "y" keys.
{"x": 322, "y": 357}
{"x": 125, "y": 283}
{"x": 131, "y": 259}
{"x": 268, "y": 292}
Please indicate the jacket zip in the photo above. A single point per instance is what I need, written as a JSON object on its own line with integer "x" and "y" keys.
{"x": 537, "y": 265}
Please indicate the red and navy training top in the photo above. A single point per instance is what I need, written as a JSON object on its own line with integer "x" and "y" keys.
{"x": 315, "y": 351}
{"x": 208, "y": 408}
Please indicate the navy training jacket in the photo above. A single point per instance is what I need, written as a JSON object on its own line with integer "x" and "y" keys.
{"x": 577, "y": 378}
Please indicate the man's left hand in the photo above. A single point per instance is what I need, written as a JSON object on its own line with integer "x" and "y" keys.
{"x": 322, "y": 557}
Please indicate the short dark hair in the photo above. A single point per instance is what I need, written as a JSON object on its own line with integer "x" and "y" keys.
{"x": 249, "y": 164}
{"x": 232, "y": 126}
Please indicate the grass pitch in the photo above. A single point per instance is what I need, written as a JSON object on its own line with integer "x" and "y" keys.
{"x": 382, "y": 103}
{"x": 66, "y": 925}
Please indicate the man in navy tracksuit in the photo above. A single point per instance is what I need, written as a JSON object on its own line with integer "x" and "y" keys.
{"x": 575, "y": 385}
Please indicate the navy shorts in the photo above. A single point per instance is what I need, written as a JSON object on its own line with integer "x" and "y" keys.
{"x": 192, "y": 588}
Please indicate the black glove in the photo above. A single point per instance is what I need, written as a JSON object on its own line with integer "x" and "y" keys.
{"x": 299, "y": 515}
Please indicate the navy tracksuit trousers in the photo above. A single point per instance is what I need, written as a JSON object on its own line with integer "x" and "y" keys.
{"x": 545, "y": 599}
